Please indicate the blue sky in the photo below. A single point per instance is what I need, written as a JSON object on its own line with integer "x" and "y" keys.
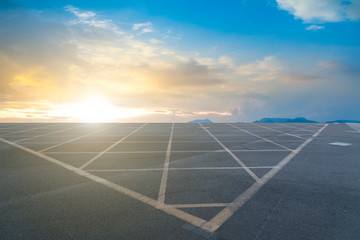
{"x": 180, "y": 60}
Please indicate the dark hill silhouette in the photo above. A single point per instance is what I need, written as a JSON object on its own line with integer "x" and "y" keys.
{"x": 201, "y": 121}
{"x": 285, "y": 120}
{"x": 344, "y": 121}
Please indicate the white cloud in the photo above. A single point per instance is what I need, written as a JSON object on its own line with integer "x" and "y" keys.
{"x": 315, "y": 11}
{"x": 156, "y": 41}
{"x": 227, "y": 61}
{"x": 267, "y": 69}
{"x": 91, "y": 19}
{"x": 143, "y": 27}
{"x": 314, "y": 28}
{"x": 81, "y": 14}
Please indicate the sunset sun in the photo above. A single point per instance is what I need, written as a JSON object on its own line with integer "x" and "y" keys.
{"x": 94, "y": 109}
{"x": 99, "y": 109}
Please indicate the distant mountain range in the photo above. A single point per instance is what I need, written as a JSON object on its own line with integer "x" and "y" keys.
{"x": 282, "y": 120}
{"x": 344, "y": 121}
{"x": 285, "y": 120}
{"x": 201, "y": 121}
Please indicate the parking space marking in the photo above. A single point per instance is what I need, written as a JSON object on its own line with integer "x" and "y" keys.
{"x": 175, "y": 151}
{"x": 303, "y": 129}
{"x": 16, "y": 126}
{"x": 252, "y": 174}
{"x": 162, "y": 190}
{"x": 226, "y": 213}
{"x": 196, "y": 221}
{"x": 62, "y": 141}
{"x": 308, "y": 125}
{"x": 255, "y": 135}
{"x": 289, "y": 134}
{"x": 174, "y": 169}
{"x": 26, "y": 130}
{"x": 354, "y": 126}
{"x": 125, "y": 170}
{"x": 201, "y": 205}
{"x": 88, "y": 134}
{"x": 209, "y": 226}
{"x": 113, "y": 145}
{"x": 63, "y": 130}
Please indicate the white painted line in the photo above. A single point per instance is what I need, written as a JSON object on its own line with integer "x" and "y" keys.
{"x": 283, "y": 124}
{"x": 226, "y": 213}
{"x": 10, "y": 127}
{"x": 88, "y": 134}
{"x": 63, "y": 130}
{"x": 233, "y": 155}
{"x": 61, "y": 142}
{"x": 125, "y": 170}
{"x": 263, "y": 150}
{"x": 149, "y": 141}
{"x": 27, "y": 130}
{"x": 113, "y": 145}
{"x": 255, "y": 135}
{"x": 162, "y": 190}
{"x": 289, "y": 134}
{"x": 201, "y": 205}
{"x": 306, "y": 125}
{"x": 196, "y": 221}
{"x": 109, "y": 152}
{"x": 174, "y": 169}
{"x": 189, "y": 151}
{"x": 218, "y": 168}
{"x": 355, "y": 126}
{"x": 342, "y": 144}
{"x": 40, "y": 195}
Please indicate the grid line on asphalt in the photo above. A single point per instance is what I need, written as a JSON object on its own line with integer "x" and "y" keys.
{"x": 306, "y": 130}
{"x": 227, "y": 212}
{"x": 252, "y": 174}
{"x": 255, "y": 135}
{"x": 175, "y": 151}
{"x": 46, "y": 134}
{"x": 16, "y": 126}
{"x": 279, "y": 131}
{"x": 210, "y": 226}
{"x": 201, "y": 205}
{"x": 187, "y": 217}
{"x": 71, "y": 140}
{"x": 162, "y": 189}
{"x": 110, "y": 147}
{"x": 26, "y": 130}
{"x": 175, "y": 169}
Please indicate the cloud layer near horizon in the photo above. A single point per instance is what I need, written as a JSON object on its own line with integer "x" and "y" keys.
{"x": 47, "y": 62}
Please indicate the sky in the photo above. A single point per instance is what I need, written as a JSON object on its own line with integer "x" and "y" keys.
{"x": 176, "y": 61}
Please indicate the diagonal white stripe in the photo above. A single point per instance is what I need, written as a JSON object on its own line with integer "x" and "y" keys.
{"x": 164, "y": 177}
{"x": 88, "y": 134}
{"x": 233, "y": 155}
{"x": 289, "y": 134}
{"x": 261, "y": 137}
{"x": 113, "y": 145}
{"x": 196, "y": 221}
{"x": 63, "y": 130}
{"x": 226, "y": 213}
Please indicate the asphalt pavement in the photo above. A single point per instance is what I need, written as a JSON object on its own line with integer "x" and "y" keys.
{"x": 179, "y": 181}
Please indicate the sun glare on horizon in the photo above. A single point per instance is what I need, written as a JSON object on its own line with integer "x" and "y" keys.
{"x": 98, "y": 109}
